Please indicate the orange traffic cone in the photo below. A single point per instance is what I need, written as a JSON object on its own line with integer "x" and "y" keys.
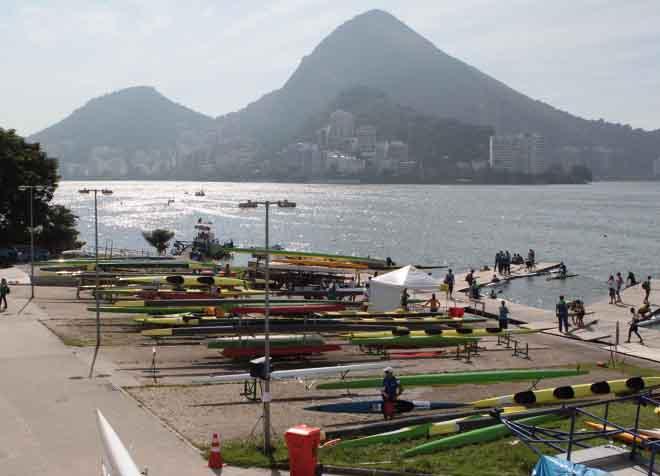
{"x": 215, "y": 457}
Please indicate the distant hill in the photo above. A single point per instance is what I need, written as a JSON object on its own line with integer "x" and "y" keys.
{"x": 377, "y": 50}
{"x": 133, "y": 132}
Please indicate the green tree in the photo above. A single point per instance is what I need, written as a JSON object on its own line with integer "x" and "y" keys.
{"x": 159, "y": 239}
{"x": 23, "y": 163}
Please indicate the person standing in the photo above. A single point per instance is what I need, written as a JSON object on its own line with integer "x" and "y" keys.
{"x": 4, "y": 290}
{"x": 631, "y": 280}
{"x": 507, "y": 262}
{"x": 633, "y": 327}
{"x": 390, "y": 392}
{"x": 561, "y": 310}
{"x": 433, "y": 304}
{"x": 498, "y": 257}
{"x": 449, "y": 281}
{"x": 611, "y": 286}
{"x": 404, "y": 299}
{"x": 646, "y": 286}
{"x": 504, "y": 316}
{"x": 619, "y": 284}
{"x": 469, "y": 277}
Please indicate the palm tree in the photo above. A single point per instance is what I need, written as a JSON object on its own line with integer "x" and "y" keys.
{"x": 159, "y": 239}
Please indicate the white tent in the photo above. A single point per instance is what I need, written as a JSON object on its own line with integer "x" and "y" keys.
{"x": 385, "y": 290}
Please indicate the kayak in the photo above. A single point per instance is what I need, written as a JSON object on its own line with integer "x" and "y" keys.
{"x": 288, "y": 310}
{"x": 277, "y": 351}
{"x": 494, "y": 331}
{"x": 248, "y": 327}
{"x": 130, "y": 308}
{"x": 481, "y": 435}
{"x": 184, "y": 280}
{"x": 399, "y": 313}
{"x": 427, "y": 430}
{"x": 274, "y": 252}
{"x": 376, "y": 406}
{"x": 570, "y": 392}
{"x": 625, "y": 437}
{"x": 277, "y": 340}
{"x": 456, "y": 378}
{"x": 194, "y": 294}
{"x": 411, "y": 342}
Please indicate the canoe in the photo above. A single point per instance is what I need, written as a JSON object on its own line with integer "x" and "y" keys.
{"x": 465, "y": 332}
{"x": 624, "y": 437}
{"x": 552, "y": 278}
{"x": 481, "y": 435}
{"x": 277, "y": 340}
{"x": 164, "y": 309}
{"x": 245, "y": 328}
{"x": 376, "y": 406}
{"x": 652, "y": 433}
{"x": 570, "y": 392}
{"x": 456, "y": 378}
{"x": 412, "y": 342}
{"x": 399, "y": 313}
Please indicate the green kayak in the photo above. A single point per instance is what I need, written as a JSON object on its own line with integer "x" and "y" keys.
{"x": 480, "y": 435}
{"x": 456, "y": 378}
{"x": 408, "y": 341}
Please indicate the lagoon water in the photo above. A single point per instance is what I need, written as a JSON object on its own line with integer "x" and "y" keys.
{"x": 596, "y": 229}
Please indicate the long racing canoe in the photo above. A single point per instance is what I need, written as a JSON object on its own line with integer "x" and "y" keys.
{"x": 570, "y": 392}
{"x": 376, "y": 406}
{"x": 456, "y": 378}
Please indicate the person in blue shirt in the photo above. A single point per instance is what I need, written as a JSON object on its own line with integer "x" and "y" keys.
{"x": 561, "y": 310}
{"x": 390, "y": 393}
{"x": 504, "y": 316}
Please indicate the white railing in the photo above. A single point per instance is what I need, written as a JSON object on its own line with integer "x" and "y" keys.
{"x": 116, "y": 461}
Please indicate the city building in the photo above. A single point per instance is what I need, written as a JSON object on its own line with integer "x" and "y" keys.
{"x": 341, "y": 164}
{"x": 342, "y": 126}
{"x": 366, "y": 140}
{"x": 520, "y": 153}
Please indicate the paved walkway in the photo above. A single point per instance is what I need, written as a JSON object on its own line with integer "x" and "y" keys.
{"x": 47, "y": 408}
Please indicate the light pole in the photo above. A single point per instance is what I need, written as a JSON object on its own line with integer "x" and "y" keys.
{"x": 31, "y": 189}
{"x": 96, "y": 191}
{"x": 266, "y": 397}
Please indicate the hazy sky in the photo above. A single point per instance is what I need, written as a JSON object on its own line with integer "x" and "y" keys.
{"x": 594, "y": 58}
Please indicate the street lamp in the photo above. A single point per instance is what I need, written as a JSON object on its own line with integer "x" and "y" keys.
{"x": 96, "y": 191}
{"x": 31, "y": 189}
{"x": 266, "y": 397}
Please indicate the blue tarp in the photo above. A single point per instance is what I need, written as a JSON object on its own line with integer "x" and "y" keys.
{"x": 550, "y": 466}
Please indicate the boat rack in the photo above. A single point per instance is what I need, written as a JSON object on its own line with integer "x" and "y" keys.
{"x": 566, "y": 441}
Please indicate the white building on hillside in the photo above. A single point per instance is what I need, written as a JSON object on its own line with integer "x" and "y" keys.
{"x": 521, "y": 153}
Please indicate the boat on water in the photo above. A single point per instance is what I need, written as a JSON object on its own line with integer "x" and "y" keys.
{"x": 200, "y": 193}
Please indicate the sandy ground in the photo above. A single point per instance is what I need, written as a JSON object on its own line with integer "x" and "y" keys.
{"x": 195, "y": 411}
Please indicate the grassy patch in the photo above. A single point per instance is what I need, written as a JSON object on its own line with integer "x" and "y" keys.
{"x": 506, "y": 457}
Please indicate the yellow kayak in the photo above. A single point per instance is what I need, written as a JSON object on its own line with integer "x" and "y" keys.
{"x": 570, "y": 392}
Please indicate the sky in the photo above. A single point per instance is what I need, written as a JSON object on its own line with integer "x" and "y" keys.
{"x": 593, "y": 58}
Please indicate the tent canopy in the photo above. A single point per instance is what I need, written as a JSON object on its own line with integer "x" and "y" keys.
{"x": 385, "y": 290}
{"x": 408, "y": 277}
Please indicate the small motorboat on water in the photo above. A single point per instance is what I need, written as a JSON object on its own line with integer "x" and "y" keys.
{"x": 200, "y": 193}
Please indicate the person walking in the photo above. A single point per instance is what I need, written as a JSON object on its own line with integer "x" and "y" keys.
{"x": 619, "y": 284}
{"x": 633, "y": 327}
{"x": 611, "y": 286}
{"x": 4, "y": 290}
{"x": 390, "y": 392}
{"x": 449, "y": 281}
{"x": 504, "y": 316}
{"x": 561, "y": 310}
{"x": 646, "y": 286}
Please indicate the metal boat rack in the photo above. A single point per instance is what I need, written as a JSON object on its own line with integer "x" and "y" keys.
{"x": 566, "y": 441}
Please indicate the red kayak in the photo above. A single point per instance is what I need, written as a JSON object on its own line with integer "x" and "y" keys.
{"x": 288, "y": 351}
{"x": 417, "y": 355}
{"x": 289, "y": 310}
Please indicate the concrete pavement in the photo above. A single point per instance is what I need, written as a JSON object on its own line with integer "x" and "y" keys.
{"x": 47, "y": 407}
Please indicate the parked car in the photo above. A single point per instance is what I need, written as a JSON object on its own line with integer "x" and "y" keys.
{"x": 8, "y": 256}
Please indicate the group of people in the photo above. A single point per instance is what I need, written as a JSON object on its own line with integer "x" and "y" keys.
{"x": 504, "y": 260}
{"x": 4, "y": 291}
{"x": 615, "y": 283}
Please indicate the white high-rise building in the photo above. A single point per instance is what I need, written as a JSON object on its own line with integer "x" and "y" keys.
{"x": 342, "y": 125}
{"x": 521, "y": 153}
